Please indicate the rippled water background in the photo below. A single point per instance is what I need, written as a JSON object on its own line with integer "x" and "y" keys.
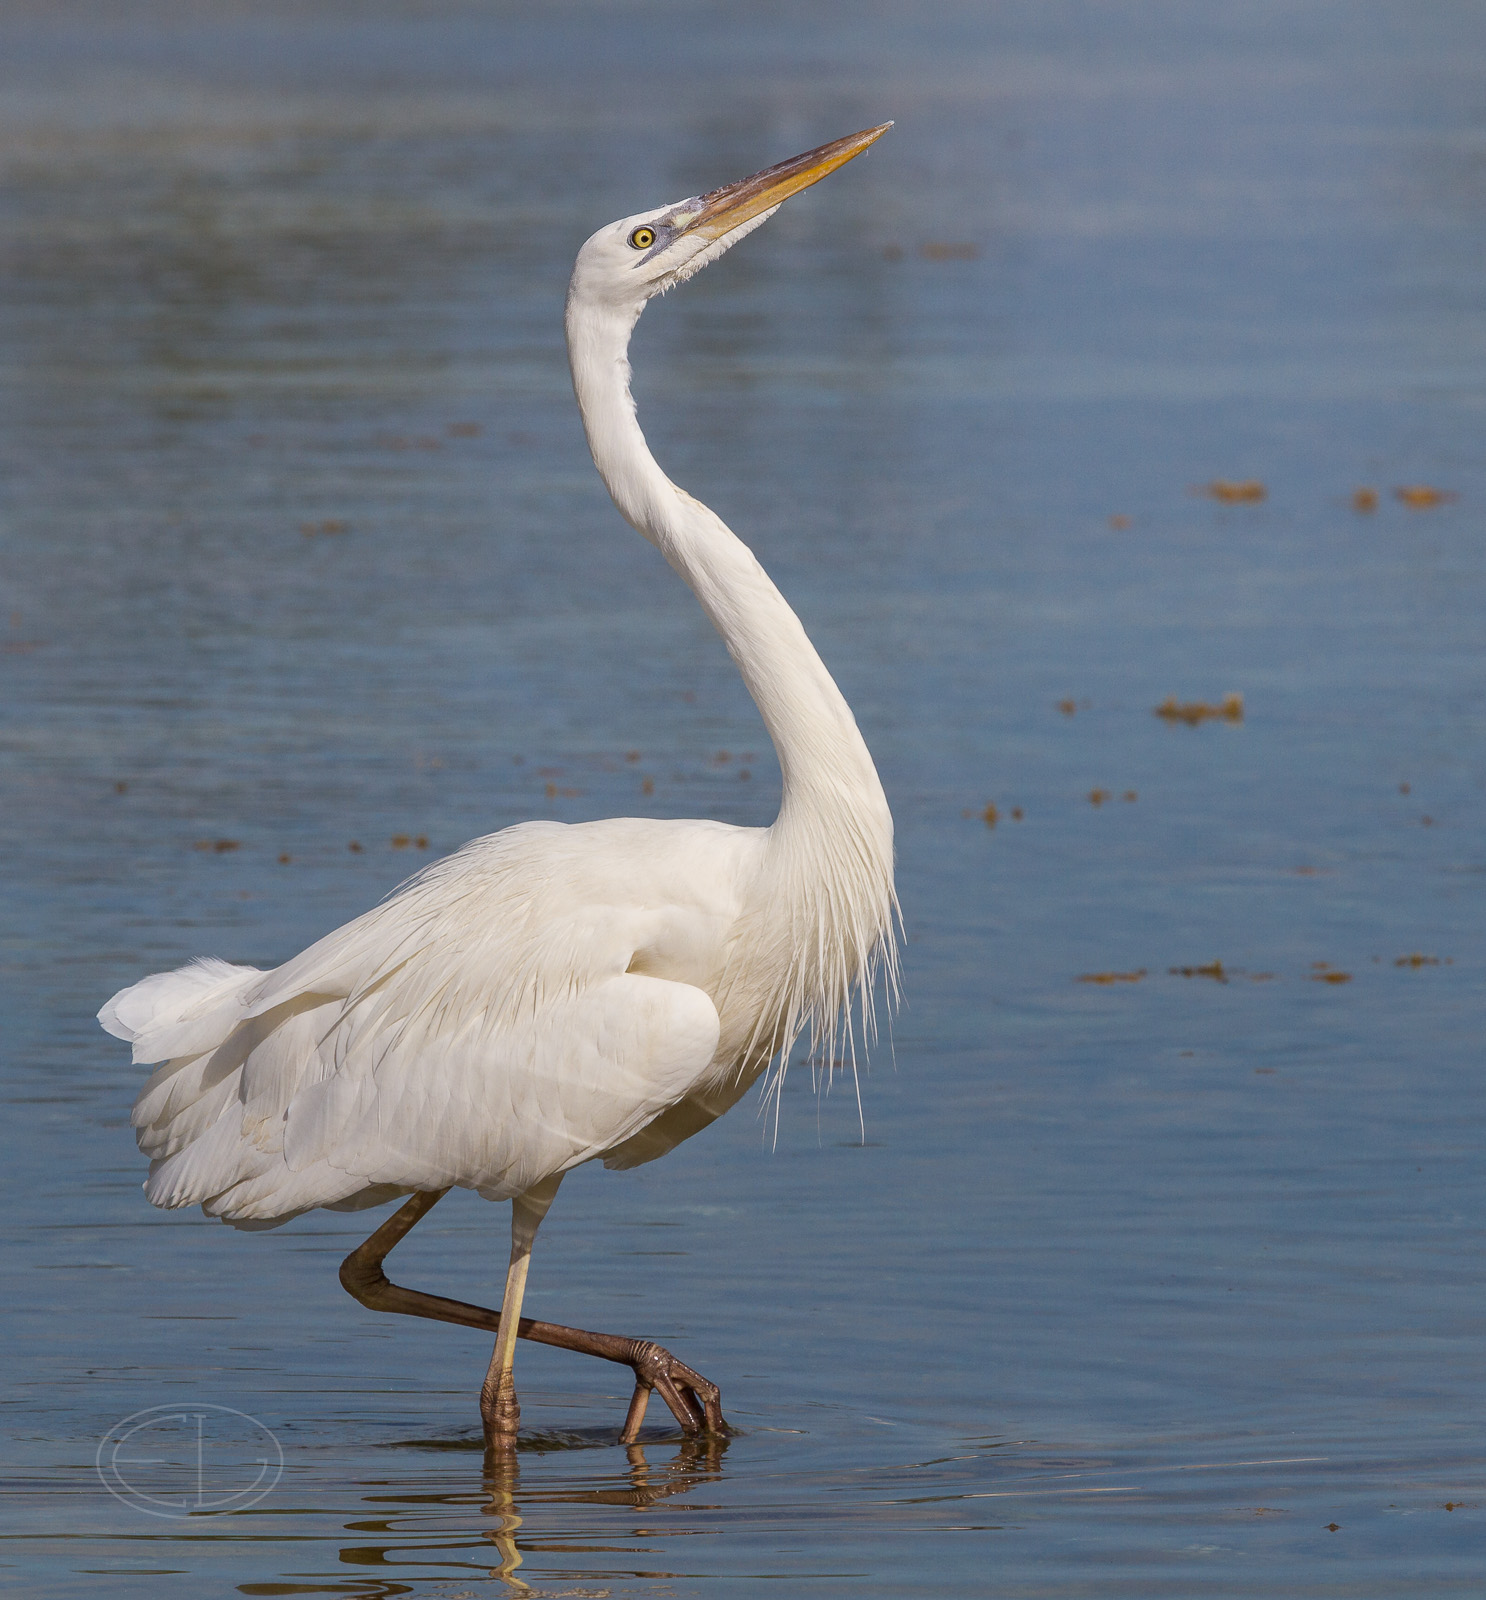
{"x": 1141, "y": 1288}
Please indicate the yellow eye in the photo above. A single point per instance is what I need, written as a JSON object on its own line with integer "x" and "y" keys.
{"x": 642, "y": 238}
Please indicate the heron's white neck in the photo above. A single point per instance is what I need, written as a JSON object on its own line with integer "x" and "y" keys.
{"x": 832, "y": 842}
{"x": 821, "y": 752}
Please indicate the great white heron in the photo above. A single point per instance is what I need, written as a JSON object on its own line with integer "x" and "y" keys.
{"x": 552, "y": 994}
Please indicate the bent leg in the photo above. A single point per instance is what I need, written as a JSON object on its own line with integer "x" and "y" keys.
{"x": 693, "y": 1400}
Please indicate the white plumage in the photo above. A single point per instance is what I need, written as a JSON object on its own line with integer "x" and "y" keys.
{"x": 495, "y": 1022}
{"x": 552, "y": 994}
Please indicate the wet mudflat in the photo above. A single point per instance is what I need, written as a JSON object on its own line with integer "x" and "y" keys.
{"x": 1115, "y": 427}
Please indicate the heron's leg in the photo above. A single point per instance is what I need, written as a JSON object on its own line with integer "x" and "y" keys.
{"x": 694, "y": 1402}
{"x": 498, "y": 1408}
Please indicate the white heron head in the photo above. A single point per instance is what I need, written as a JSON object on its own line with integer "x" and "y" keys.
{"x": 625, "y": 264}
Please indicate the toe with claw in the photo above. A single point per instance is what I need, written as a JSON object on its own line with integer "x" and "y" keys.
{"x": 694, "y": 1401}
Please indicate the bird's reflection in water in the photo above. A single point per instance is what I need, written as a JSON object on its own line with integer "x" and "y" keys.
{"x": 696, "y": 1461}
{"x": 425, "y": 1539}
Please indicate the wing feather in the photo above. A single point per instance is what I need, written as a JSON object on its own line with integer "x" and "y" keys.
{"x": 482, "y": 1028}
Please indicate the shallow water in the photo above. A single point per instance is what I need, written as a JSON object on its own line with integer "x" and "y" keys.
{"x": 1166, "y": 1286}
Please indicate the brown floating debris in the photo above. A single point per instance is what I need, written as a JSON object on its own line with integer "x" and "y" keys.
{"x": 1214, "y": 970}
{"x": 1416, "y": 960}
{"x": 284, "y": 858}
{"x": 221, "y": 846}
{"x": 1112, "y": 977}
{"x": 1331, "y": 977}
{"x": 647, "y": 786}
{"x": 949, "y": 250}
{"x": 1067, "y": 707}
{"x": 421, "y": 842}
{"x": 1364, "y": 500}
{"x": 1016, "y": 813}
{"x": 1130, "y": 795}
{"x": 1097, "y": 797}
{"x": 121, "y": 787}
{"x": 1119, "y": 522}
{"x": 1420, "y": 496}
{"x": 1228, "y": 709}
{"x": 400, "y": 841}
{"x": 330, "y": 526}
{"x": 354, "y": 847}
{"x": 990, "y": 815}
{"x": 1236, "y": 491}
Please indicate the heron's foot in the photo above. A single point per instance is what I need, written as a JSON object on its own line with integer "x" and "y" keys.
{"x": 695, "y": 1401}
{"x": 500, "y": 1414}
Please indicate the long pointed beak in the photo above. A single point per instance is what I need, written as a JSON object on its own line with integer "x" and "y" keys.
{"x": 722, "y": 210}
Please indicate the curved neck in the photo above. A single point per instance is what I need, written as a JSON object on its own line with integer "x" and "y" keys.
{"x": 822, "y": 756}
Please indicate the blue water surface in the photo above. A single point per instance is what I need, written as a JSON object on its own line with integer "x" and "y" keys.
{"x": 1150, "y": 1264}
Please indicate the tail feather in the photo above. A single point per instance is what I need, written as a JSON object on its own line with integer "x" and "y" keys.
{"x": 182, "y": 1013}
{"x": 211, "y": 1116}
